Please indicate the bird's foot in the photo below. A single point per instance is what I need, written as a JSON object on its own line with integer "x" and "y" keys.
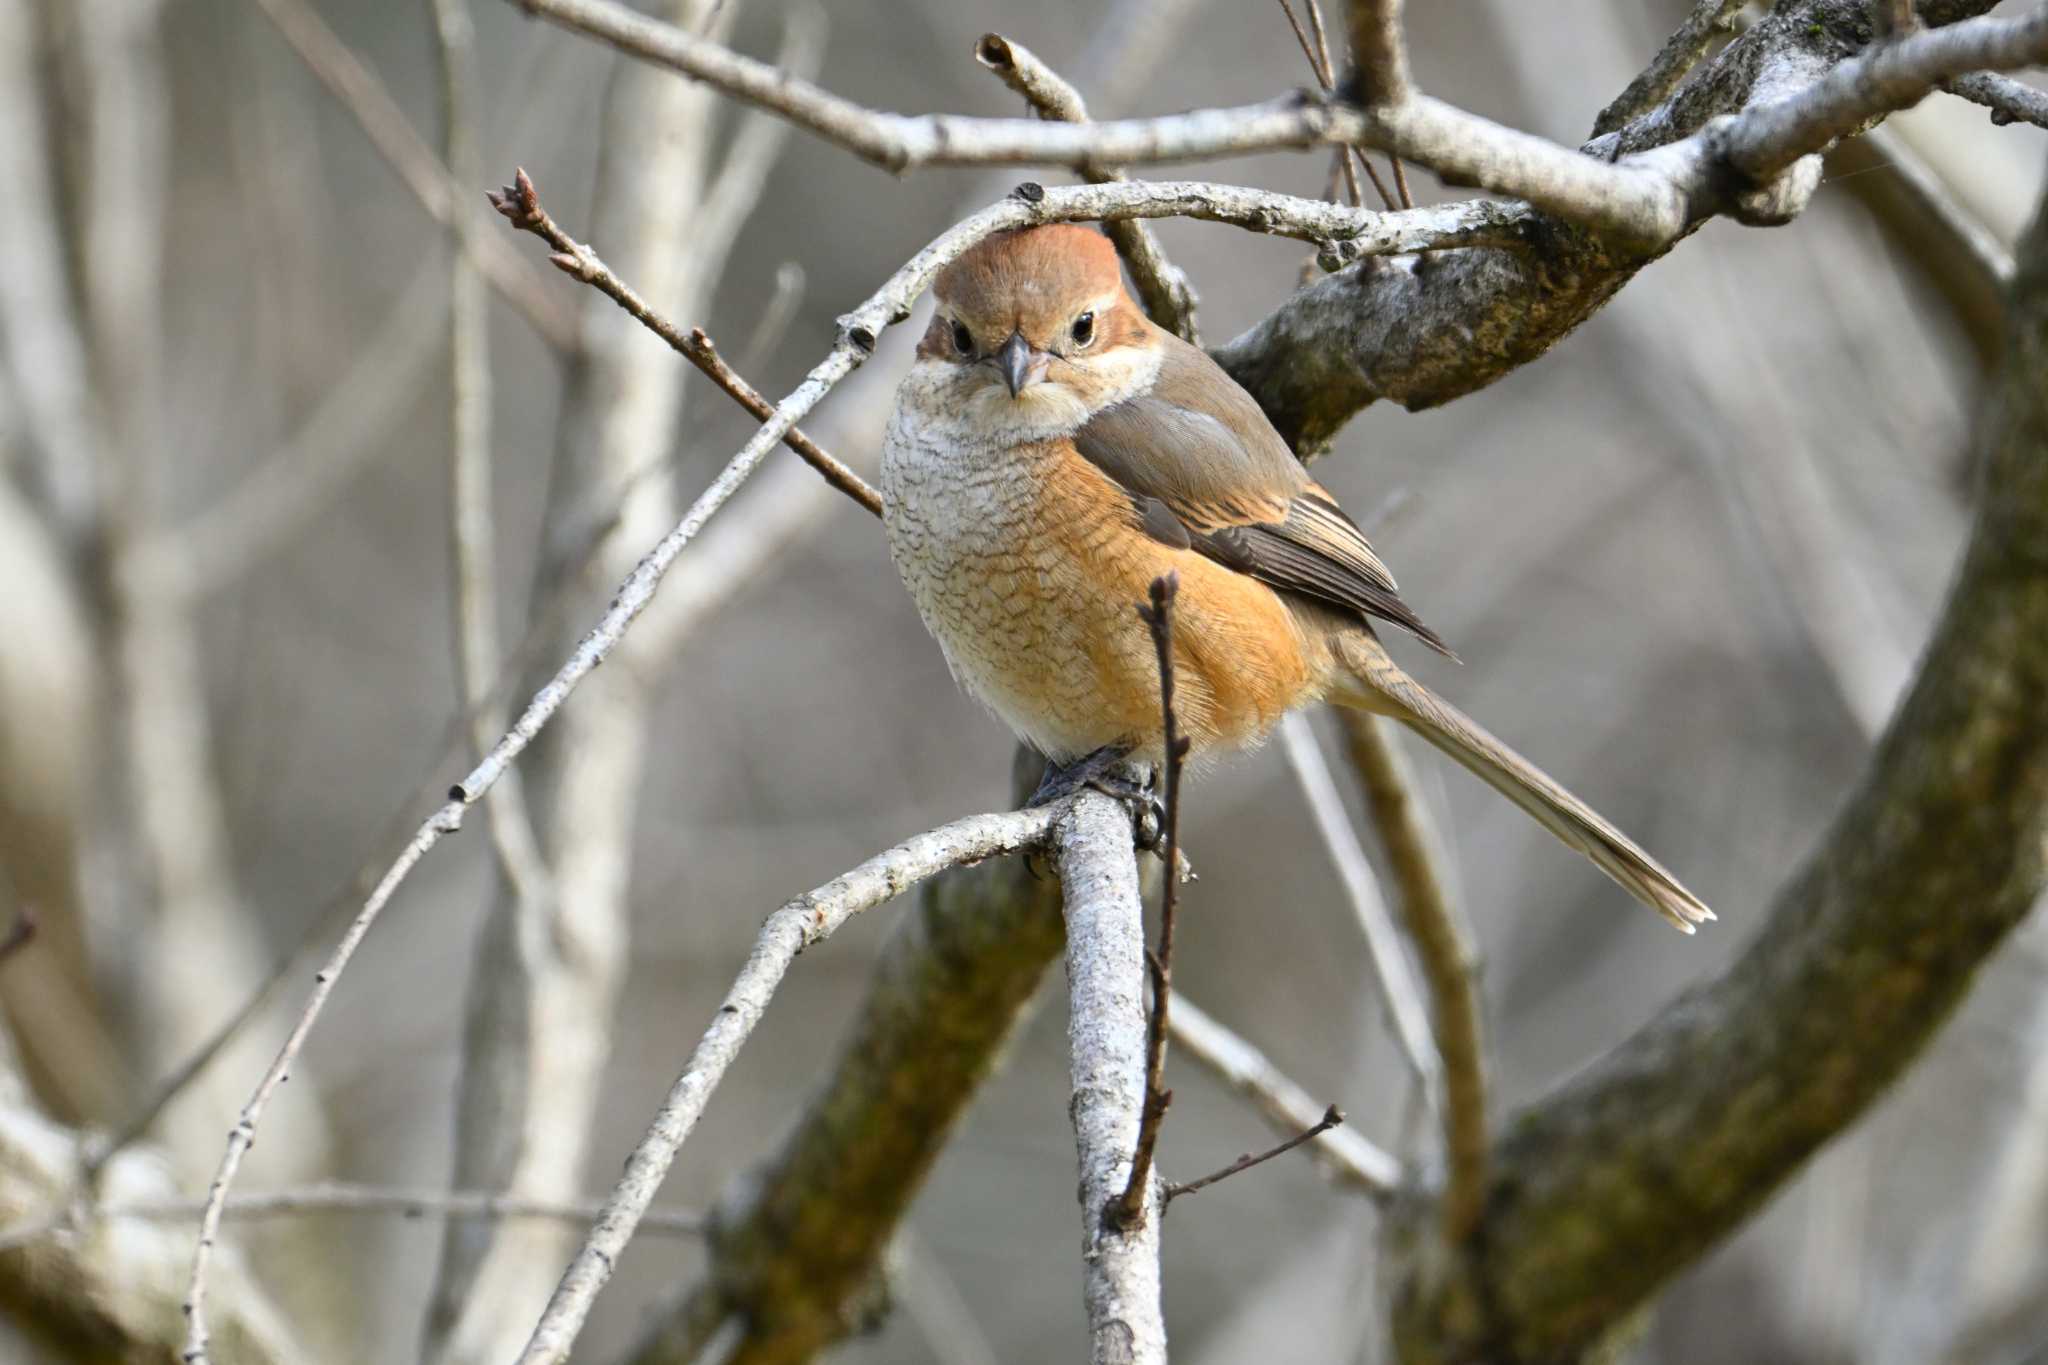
{"x": 1100, "y": 771}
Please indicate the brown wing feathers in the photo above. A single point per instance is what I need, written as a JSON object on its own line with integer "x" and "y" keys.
{"x": 1205, "y": 470}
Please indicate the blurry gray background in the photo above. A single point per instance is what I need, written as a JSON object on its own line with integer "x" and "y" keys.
{"x": 1678, "y": 556}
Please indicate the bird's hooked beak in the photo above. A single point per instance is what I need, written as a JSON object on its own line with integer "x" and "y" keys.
{"x": 1021, "y": 366}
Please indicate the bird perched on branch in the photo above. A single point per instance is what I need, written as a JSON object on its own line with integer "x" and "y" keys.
{"x": 1052, "y": 452}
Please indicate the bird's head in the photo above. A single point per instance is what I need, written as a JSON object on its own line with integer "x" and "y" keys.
{"x": 1033, "y": 328}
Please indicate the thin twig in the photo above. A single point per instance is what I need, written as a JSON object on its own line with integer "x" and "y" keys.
{"x": 1332, "y": 1117}
{"x": 1680, "y": 53}
{"x": 1326, "y": 73}
{"x": 2009, "y": 101}
{"x": 803, "y": 922}
{"x": 520, "y": 204}
{"x": 776, "y": 316}
{"x": 1398, "y": 989}
{"x": 472, "y": 522}
{"x": 445, "y": 199}
{"x": 354, "y": 1198}
{"x": 1129, "y": 1206}
{"x": 1344, "y": 1155}
{"x": 1163, "y": 288}
{"x": 1443, "y": 944}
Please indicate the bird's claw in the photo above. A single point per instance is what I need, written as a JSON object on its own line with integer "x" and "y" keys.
{"x": 1098, "y": 771}
{"x": 1148, "y": 813}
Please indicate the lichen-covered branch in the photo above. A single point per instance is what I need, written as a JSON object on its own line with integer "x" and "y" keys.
{"x": 1106, "y": 1034}
{"x": 1604, "y": 1189}
{"x": 1426, "y": 331}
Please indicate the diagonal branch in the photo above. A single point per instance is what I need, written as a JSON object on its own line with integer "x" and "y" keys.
{"x": 447, "y": 201}
{"x": 1443, "y": 945}
{"x": 1679, "y": 55}
{"x": 1347, "y": 1157}
{"x": 1406, "y": 1010}
{"x": 803, "y": 922}
{"x": 520, "y": 204}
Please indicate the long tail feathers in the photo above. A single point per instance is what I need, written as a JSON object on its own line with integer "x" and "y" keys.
{"x": 1389, "y": 691}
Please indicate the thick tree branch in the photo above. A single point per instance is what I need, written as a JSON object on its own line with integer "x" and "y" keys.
{"x": 1422, "y": 333}
{"x": 1379, "y": 56}
{"x": 1106, "y": 1032}
{"x": 1606, "y": 1188}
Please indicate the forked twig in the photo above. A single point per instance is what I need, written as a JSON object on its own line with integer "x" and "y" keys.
{"x": 1331, "y": 1118}
{"x": 520, "y": 203}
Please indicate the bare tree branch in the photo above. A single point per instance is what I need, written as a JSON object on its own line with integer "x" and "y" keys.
{"x": 336, "y": 1196}
{"x": 803, "y": 922}
{"x": 1379, "y": 56}
{"x": 2009, "y": 101}
{"x": 1106, "y": 1032}
{"x": 1684, "y": 1129}
{"x": 1707, "y": 20}
{"x": 1443, "y": 944}
{"x": 1651, "y": 198}
{"x": 1332, "y": 1117}
{"x": 1343, "y": 1154}
{"x": 520, "y": 204}
{"x": 1424, "y": 333}
{"x": 446, "y": 199}
{"x": 1406, "y": 1009}
{"x": 808, "y": 1231}
{"x": 473, "y": 538}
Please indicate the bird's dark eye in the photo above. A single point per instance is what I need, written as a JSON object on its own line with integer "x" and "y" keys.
{"x": 963, "y": 340}
{"x": 1084, "y": 329}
